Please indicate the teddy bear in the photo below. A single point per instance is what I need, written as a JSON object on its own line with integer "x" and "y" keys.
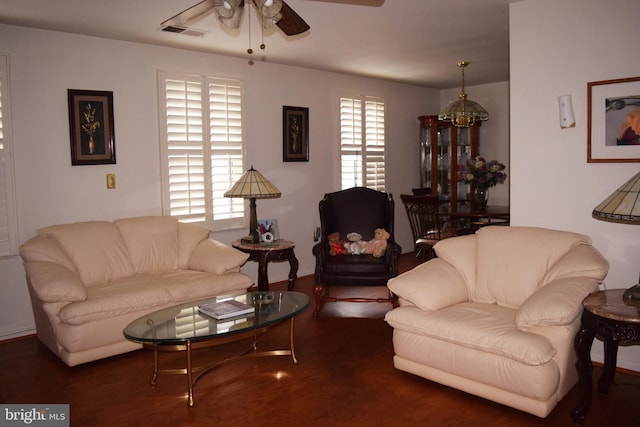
{"x": 335, "y": 244}
{"x": 378, "y": 245}
{"x": 354, "y": 245}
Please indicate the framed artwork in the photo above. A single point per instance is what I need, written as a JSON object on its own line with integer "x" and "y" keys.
{"x": 613, "y": 121}
{"x": 268, "y": 230}
{"x": 295, "y": 134}
{"x": 91, "y": 127}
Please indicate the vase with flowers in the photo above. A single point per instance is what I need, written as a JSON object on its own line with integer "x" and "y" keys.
{"x": 482, "y": 175}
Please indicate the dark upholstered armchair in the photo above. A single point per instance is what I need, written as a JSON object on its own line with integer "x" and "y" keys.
{"x": 360, "y": 210}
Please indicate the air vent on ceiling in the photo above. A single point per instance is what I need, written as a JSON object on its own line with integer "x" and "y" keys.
{"x": 183, "y": 30}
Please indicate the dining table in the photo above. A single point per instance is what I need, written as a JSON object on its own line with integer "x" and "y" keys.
{"x": 473, "y": 217}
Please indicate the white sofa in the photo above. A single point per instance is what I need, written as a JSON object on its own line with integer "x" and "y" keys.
{"x": 88, "y": 280}
{"x": 495, "y": 314}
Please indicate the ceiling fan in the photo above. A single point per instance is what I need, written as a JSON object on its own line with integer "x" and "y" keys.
{"x": 230, "y": 12}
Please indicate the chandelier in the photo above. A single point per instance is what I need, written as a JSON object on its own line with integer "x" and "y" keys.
{"x": 464, "y": 112}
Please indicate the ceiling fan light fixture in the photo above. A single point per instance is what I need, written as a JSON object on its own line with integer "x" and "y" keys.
{"x": 464, "y": 112}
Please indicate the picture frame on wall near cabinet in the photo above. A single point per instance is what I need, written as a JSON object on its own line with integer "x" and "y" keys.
{"x": 613, "y": 120}
{"x": 295, "y": 134}
{"x": 91, "y": 127}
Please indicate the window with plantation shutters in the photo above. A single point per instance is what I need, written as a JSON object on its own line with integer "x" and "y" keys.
{"x": 202, "y": 148}
{"x": 8, "y": 218}
{"x": 362, "y": 142}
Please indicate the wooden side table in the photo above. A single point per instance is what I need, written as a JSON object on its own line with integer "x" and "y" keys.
{"x": 606, "y": 316}
{"x": 263, "y": 253}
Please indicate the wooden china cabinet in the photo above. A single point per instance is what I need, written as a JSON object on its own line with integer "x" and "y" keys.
{"x": 442, "y": 148}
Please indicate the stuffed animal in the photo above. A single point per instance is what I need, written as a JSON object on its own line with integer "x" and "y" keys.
{"x": 335, "y": 244}
{"x": 378, "y": 245}
{"x": 355, "y": 245}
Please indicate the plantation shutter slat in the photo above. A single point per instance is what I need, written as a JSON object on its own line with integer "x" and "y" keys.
{"x": 203, "y": 149}
{"x": 362, "y": 163}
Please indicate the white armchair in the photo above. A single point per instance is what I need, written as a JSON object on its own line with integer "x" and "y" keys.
{"x": 496, "y": 312}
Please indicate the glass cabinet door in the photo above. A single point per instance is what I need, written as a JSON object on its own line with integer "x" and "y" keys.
{"x": 442, "y": 148}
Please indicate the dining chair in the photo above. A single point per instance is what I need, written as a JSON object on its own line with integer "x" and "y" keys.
{"x": 427, "y": 225}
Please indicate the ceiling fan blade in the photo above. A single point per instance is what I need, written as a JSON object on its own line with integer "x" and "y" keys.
{"x": 291, "y": 23}
{"x": 375, "y": 3}
{"x": 192, "y": 14}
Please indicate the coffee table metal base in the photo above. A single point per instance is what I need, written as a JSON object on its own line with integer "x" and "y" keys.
{"x": 194, "y": 374}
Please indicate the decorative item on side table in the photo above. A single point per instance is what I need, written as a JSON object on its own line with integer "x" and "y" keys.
{"x": 482, "y": 175}
{"x": 623, "y": 206}
{"x": 253, "y": 185}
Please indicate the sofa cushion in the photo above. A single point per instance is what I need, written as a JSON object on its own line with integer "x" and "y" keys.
{"x": 557, "y": 303}
{"x": 488, "y": 328}
{"x": 112, "y": 299}
{"x": 513, "y": 261}
{"x": 53, "y": 282}
{"x": 45, "y": 248}
{"x": 189, "y": 236}
{"x": 96, "y": 249}
{"x": 431, "y": 285}
{"x": 215, "y": 257}
{"x": 152, "y": 242}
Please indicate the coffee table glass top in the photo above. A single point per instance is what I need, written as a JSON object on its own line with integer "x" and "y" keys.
{"x": 182, "y": 323}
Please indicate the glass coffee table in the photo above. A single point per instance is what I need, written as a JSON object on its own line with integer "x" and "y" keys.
{"x": 184, "y": 328}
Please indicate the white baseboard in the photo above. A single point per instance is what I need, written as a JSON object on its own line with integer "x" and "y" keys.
{"x": 7, "y": 335}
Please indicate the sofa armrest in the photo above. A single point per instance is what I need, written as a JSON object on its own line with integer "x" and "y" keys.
{"x": 53, "y": 282}
{"x": 557, "y": 303}
{"x": 216, "y": 257}
{"x": 432, "y": 285}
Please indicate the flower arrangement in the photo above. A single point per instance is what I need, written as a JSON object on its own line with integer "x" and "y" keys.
{"x": 481, "y": 173}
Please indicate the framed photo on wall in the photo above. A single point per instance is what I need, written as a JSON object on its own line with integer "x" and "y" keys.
{"x": 613, "y": 121}
{"x": 91, "y": 127}
{"x": 295, "y": 134}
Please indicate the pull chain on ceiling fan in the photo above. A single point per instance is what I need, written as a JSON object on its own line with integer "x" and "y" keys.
{"x": 229, "y": 12}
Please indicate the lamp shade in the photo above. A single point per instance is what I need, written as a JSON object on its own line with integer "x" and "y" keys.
{"x": 623, "y": 205}
{"x": 253, "y": 185}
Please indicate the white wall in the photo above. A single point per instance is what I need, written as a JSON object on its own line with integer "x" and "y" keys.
{"x": 556, "y": 48}
{"x": 44, "y": 64}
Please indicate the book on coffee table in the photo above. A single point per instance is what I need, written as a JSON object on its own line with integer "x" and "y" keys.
{"x": 225, "y": 309}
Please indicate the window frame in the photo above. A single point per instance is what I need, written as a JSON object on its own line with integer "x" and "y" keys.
{"x": 360, "y": 134}
{"x": 216, "y": 122}
{"x": 8, "y": 205}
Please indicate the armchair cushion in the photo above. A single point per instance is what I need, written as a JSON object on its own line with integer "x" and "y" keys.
{"x": 522, "y": 255}
{"x": 430, "y": 286}
{"x": 557, "y": 303}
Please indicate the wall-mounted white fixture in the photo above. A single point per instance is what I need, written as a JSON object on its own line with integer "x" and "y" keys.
{"x": 567, "y": 119}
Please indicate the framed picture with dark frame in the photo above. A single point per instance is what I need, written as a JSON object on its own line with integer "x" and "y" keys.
{"x": 613, "y": 121}
{"x": 295, "y": 134}
{"x": 91, "y": 127}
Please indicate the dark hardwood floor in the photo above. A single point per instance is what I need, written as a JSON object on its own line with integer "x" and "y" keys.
{"x": 345, "y": 378}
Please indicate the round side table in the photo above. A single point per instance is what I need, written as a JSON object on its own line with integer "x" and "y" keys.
{"x": 263, "y": 253}
{"x": 615, "y": 321}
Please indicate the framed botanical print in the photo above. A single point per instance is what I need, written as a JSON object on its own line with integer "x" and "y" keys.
{"x": 91, "y": 127}
{"x": 613, "y": 121}
{"x": 295, "y": 132}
